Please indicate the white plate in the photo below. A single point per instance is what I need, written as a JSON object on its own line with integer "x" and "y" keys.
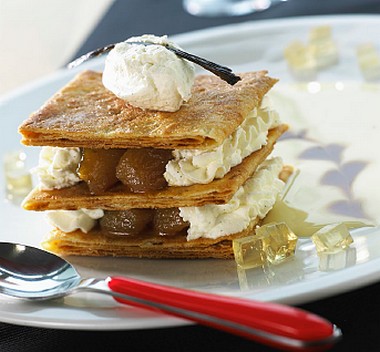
{"x": 332, "y": 141}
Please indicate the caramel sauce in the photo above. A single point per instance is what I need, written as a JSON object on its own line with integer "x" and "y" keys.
{"x": 302, "y": 222}
{"x": 299, "y": 220}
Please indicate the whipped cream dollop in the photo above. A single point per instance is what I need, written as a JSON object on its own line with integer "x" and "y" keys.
{"x": 57, "y": 167}
{"x": 71, "y": 220}
{"x": 254, "y": 199}
{"x": 201, "y": 167}
{"x": 148, "y": 76}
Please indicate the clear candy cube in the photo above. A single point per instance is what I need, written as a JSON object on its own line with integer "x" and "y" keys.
{"x": 319, "y": 52}
{"x": 369, "y": 61}
{"x": 249, "y": 251}
{"x": 272, "y": 243}
{"x": 332, "y": 238}
{"x": 17, "y": 177}
{"x": 279, "y": 241}
{"x": 338, "y": 260}
{"x": 320, "y": 33}
{"x": 253, "y": 278}
{"x": 323, "y": 47}
{"x": 300, "y": 60}
{"x": 325, "y": 53}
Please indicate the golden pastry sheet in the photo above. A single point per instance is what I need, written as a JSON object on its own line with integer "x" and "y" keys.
{"x": 219, "y": 191}
{"x": 95, "y": 243}
{"x": 85, "y": 114}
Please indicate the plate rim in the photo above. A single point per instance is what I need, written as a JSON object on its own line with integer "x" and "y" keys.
{"x": 191, "y": 38}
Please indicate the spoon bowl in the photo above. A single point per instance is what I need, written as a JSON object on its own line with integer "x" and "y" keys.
{"x": 25, "y": 273}
{"x": 31, "y": 273}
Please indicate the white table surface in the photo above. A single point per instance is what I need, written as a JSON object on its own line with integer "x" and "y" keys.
{"x": 39, "y": 36}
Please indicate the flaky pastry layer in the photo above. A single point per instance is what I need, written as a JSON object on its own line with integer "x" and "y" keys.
{"x": 85, "y": 114}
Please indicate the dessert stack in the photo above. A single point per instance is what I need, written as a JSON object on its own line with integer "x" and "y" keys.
{"x": 148, "y": 160}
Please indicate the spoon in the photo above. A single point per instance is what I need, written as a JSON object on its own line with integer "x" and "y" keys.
{"x": 34, "y": 274}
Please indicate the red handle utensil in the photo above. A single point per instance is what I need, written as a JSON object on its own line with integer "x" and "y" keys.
{"x": 272, "y": 324}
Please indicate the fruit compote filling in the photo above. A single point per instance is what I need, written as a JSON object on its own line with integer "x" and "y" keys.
{"x": 98, "y": 168}
{"x": 169, "y": 222}
{"x": 140, "y": 170}
{"x": 251, "y": 201}
{"x": 126, "y": 222}
{"x": 139, "y": 221}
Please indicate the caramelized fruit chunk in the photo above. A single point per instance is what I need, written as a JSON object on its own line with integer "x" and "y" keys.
{"x": 98, "y": 168}
{"x": 168, "y": 221}
{"x": 142, "y": 169}
{"x": 126, "y": 222}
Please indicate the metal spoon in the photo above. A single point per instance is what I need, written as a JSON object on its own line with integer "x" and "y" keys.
{"x": 34, "y": 274}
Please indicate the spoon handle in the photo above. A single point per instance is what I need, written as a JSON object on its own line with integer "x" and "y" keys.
{"x": 268, "y": 323}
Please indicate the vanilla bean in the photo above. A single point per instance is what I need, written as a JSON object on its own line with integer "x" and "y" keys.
{"x": 91, "y": 55}
{"x": 223, "y": 72}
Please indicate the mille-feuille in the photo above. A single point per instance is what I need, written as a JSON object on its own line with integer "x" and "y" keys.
{"x": 217, "y": 182}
